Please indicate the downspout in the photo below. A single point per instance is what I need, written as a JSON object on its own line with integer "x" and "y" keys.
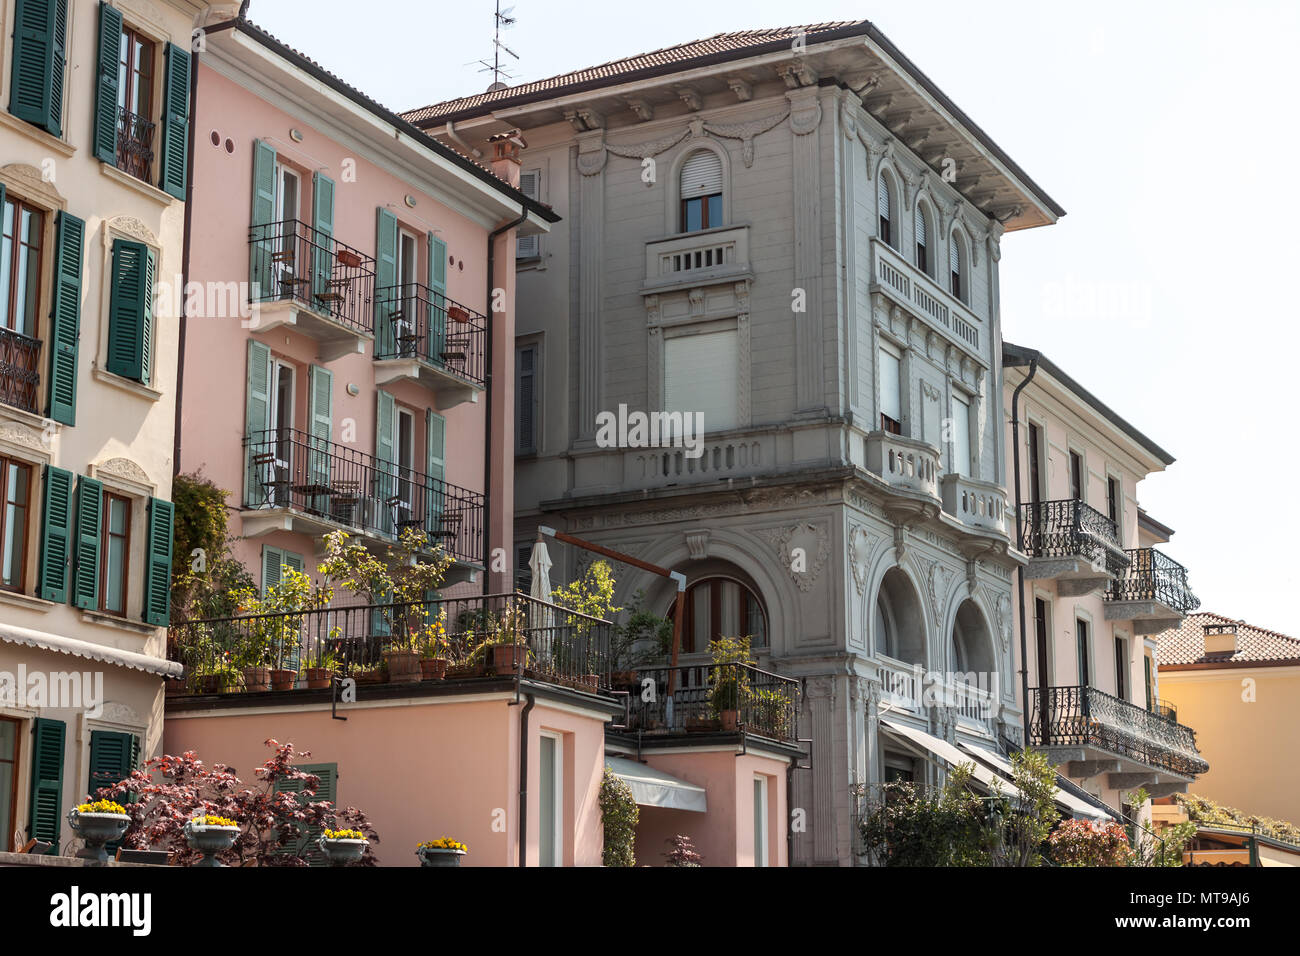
{"x": 487, "y": 382}
{"x": 455, "y": 137}
{"x": 523, "y": 781}
{"x": 185, "y": 263}
{"x": 1020, "y": 569}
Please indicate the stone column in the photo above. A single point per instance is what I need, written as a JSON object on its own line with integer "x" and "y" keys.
{"x": 590, "y": 229}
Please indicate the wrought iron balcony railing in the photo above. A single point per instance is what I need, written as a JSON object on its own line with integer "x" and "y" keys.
{"x": 290, "y": 261}
{"x": 1069, "y": 528}
{"x": 1083, "y": 716}
{"x": 414, "y": 321}
{"x": 541, "y": 641}
{"x": 287, "y": 468}
{"x": 1154, "y": 576}
{"x": 134, "y": 144}
{"x": 20, "y": 377}
{"x": 1164, "y": 709}
{"x": 722, "y": 697}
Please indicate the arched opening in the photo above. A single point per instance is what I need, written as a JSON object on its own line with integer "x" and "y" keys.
{"x": 972, "y": 644}
{"x": 701, "y": 191}
{"x": 899, "y": 622}
{"x": 722, "y": 602}
{"x": 957, "y": 266}
{"x": 924, "y": 237}
{"x": 885, "y": 206}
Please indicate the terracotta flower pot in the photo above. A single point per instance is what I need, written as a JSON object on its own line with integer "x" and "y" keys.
{"x": 730, "y": 720}
{"x": 283, "y": 679}
{"x": 457, "y": 314}
{"x": 211, "y": 683}
{"x": 257, "y": 679}
{"x": 591, "y": 682}
{"x": 506, "y": 657}
{"x": 349, "y": 259}
{"x": 433, "y": 668}
{"x": 403, "y": 666}
{"x": 371, "y": 677}
{"x": 318, "y": 678}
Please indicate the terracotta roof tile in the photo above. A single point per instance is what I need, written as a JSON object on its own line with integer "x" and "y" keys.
{"x": 1186, "y": 644}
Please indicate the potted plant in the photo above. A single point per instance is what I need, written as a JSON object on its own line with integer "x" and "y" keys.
{"x": 770, "y": 712}
{"x": 643, "y": 640}
{"x": 441, "y": 852}
{"x": 457, "y": 312}
{"x": 401, "y": 656}
{"x": 318, "y": 677}
{"x": 376, "y": 672}
{"x": 729, "y": 679}
{"x": 348, "y": 258}
{"x": 210, "y": 835}
{"x": 434, "y": 648}
{"x": 342, "y": 847}
{"x": 97, "y": 823}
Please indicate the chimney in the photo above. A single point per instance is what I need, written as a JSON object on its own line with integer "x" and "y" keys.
{"x": 505, "y": 155}
{"x": 1220, "y": 638}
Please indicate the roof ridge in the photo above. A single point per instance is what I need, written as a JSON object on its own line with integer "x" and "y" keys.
{"x": 1243, "y": 621}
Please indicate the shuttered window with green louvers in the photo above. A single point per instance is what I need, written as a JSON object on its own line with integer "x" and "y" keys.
{"x": 175, "y": 121}
{"x": 45, "y": 809}
{"x": 106, "y": 83}
{"x": 158, "y": 563}
{"x": 65, "y": 318}
{"x": 56, "y": 534}
{"x": 130, "y": 311}
{"x": 85, "y": 564}
{"x": 40, "y": 33}
{"x": 328, "y": 773}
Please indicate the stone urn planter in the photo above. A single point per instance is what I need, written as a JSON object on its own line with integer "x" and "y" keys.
{"x": 257, "y": 679}
{"x": 403, "y": 666}
{"x": 318, "y": 678}
{"x": 439, "y": 856}
{"x": 341, "y": 852}
{"x": 433, "y": 668}
{"x": 209, "y": 839}
{"x": 97, "y": 829}
{"x": 283, "y": 678}
{"x": 506, "y": 657}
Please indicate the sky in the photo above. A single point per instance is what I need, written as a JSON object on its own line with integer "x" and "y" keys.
{"x": 1167, "y": 130}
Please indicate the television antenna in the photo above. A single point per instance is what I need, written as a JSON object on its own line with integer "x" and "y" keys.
{"x": 503, "y": 21}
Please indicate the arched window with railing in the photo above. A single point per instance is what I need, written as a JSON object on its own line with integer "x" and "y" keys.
{"x": 701, "y": 191}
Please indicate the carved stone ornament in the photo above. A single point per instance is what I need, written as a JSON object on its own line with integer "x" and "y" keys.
{"x": 1002, "y": 611}
{"x": 803, "y": 548}
{"x": 135, "y": 229}
{"x": 123, "y": 468}
{"x": 861, "y": 545}
{"x": 805, "y": 118}
{"x": 697, "y": 544}
{"x": 16, "y": 433}
{"x": 591, "y": 153}
{"x": 937, "y": 585}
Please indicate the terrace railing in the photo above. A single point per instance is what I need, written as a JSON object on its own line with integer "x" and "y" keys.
{"x": 1069, "y": 528}
{"x": 414, "y": 321}
{"x": 1153, "y": 576}
{"x": 20, "y": 377}
{"x": 134, "y": 144}
{"x": 290, "y": 261}
{"x": 763, "y": 703}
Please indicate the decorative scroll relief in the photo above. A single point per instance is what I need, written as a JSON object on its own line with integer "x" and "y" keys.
{"x": 124, "y": 468}
{"x": 745, "y": 132}
{"x": 16, "y": 433}
{"x": 862, "y": 543}
{"x": 133, "y": 228}
{"x": 33, "y": 184}
{"x": 937, "y": 586}
{"x": 804, "y": 550}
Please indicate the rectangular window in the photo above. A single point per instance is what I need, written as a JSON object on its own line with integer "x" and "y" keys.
{"x": 20, "y": 267}
{"x": 1035, "y": 471}
{"x": 530, "y": 184}
{"x": 891, "y": 393}
{"x": 1041, "y": 635}
{"x": 135, "y": 134}
{"x": 550, "y": 803}
{"x": 701, "y": 212}
{"x": 8, "y": 779}
{"x": 526, "y": 399}
{"x": 1076, "y": 476}
{"x": 1146, "y": 673}
{"x": 115, "y": 558}
{"x": 961, "y": 436}
{"x": 15, "y": 493}
{"x": 760, "y": 821}
{"x": 700, "y": 375}
{"x": 1083, "y": 652}
{"x": 1112, "y": 500}
{"x": 1121, "y": 668}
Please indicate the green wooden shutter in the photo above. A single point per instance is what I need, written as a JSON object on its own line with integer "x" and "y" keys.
{"x": 158, "y": 567}
{"x": 65, "y": 318}
{"x": 263, "y": 214}
{"x": 328, "y": 773}
{"x": 257, "y": 418}
{"x": 175, "y": 121}
{"x": 45, "y": 812}
{"x": 56, "y": 534}
{"x": 323, "y": 219}
{"x": 112, "y": 758}
{"x": 385, "y": 467}
{"x": 36, "y": 84}
{"x": 85, "y": 564}
{"x": 272, "y": 559}
{"x": 321, "y": 422}
{"x": 106, "y": 88}
{"x": 386, "y": 297}
{"x": 435, "y": 446}
{"x": 130, "y": 311}
{"x": 437, "y": 298}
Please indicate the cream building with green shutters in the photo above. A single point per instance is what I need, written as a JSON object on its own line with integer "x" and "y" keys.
{"x": 94, "y": 141}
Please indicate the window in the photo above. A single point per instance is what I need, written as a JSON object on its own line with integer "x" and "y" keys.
{"x": 921, "y": 223}
{"x": 20, "y": 276}
{"x": 701, "y": 375}
{"x": 40, "y": 33}
{"x": 1083, "y": 652}
{"x": 550, "y": 803}
{"x": 1150, "y": 688}
{"x": 8, "y": 779}
{"x": 15, "y": 493}
{"x": 720, "y": 607}
{"x": 1112, "y": 499}
{"x": 115, "y": 540}
{"x": 899, "y": 769}
{"x": 1041, "y": 634}
{"x": 408, "y": 281}
{"x": 701, "y": 191}
{"x": 404, "y": 447}
{"x": 274, "y": 560}
{"x": 961, "y": 464}
{"x": 956, "y": 256}
{"x": 1076, "y": 476}
{"x": 884, "y": 204}
{"x": 760, "y": 820}
{"x": 1121, "y": 668}
{"x": 135, "y": 104}
{"x": 130, "y": 311}
{"x": 1035, "y": 469}
{"x": 288, "y": 194}
{"x": 530, "y": 184}
{"x": 526, "y": 399}
{"x": 891, "y": 394}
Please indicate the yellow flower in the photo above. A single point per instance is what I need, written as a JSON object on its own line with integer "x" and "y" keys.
{"x": 212, "y": 820}
{"x": 443, "y": 843}
{"x": 344, "y": 835}
{"x": 101, "y": 806}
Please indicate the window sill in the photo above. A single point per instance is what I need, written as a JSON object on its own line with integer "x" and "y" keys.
{"x": 125, "y": 384}
{"x": 121, "y": 623}
{"x": 28, "y": 601}
{"x": 31, "y": 419}
{"x": 139, "y": 185}
{"x": 53, "y": 143}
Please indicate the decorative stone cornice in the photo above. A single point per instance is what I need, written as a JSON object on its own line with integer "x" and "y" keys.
{"x": 591, "y": 152}
{"x": 133, "y": 228}
{"x": 805, "y": 111}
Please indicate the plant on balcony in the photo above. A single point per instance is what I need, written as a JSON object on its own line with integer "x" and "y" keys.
{"x": 317, "y": 676}
{"x": 372, "y": 672}
{"x": 443, "y": 851}
{"x": 98, "y": 822}
{"x": 270, "y": 639}
{"x": 164, "y": 795}
{"x": 682, "y": 852}
{"x": 619, "y": 816}
{"x": 769, "y": 712}
{"x": 433, "y": 647}
{"x": 343, "y": 847}
{"x": 729, "y": 686}
{"x": 643, "y": 639}
{"x": 1082, "y": 843}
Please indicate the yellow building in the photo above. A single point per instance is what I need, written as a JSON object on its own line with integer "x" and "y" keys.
{"x": 1239, "y": 686}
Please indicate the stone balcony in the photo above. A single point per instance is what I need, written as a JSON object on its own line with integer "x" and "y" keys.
{"x": 1152, "y": 593}
{"x": 706, "y": 257}
{"x": 981, "y": 505}
{"x": 906, "y": 465}
{"x": 896, "y": 278}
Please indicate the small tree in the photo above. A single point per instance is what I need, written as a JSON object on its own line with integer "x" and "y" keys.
{"x": 1081, "y": 843}
{"x": 682, "y": 852}
{"x": 592, "y": 594}
{"x": 619, "y": 815}
{"x": 917, "y": 826}
{"x": 205, "y": 573}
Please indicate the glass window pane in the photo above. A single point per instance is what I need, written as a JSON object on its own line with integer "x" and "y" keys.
{"x": 715, "y": 210}
{"x": 694, "y": 215}
{"x": 117, "y": 516}
{"x": 547, "y": 810}
{"x": 113, "y": 584}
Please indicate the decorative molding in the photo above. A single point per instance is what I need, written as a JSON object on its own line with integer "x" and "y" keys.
{"x": 744, "y": 405}
{"x": 861, "y": 545}
{"x": 1002, "y": 613}
{"x": 745, "y": 132}
{"x": 805, "y": 117}
{"x": 642, "y": 107}
{"x": 123, "y": 468}
{"x": 591, "y": 152}
{"x": 744, "y": 92}
{"x": 797, "y": 74}
{"x": 697, "y": 544}
{"x": 133, "y": 228}
{"x": 936, "y": 582}
{"x": 28, "y": 182}
{"x": 691, "y": 97}
{"x": 115, "y": 712}
{"x": 900, "y": 543}
{"x": 15, "y": 433}
{"x": 811, "y": 539}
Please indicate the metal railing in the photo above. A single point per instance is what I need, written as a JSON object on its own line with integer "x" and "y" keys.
{"x": 1154, "y": 576}
{"x": 20, "y": 377}
{"x": 1084, "y": 716}
{"x": 716, "y": 697}
{"x": 498, "y": 635}
{"x": 291, "y": 261}
{"x": 287, "y": 468}
{"x": 1165, "y": 709}
{"x": 134, "y": 144}
{"x": 1069, "y": 528}
{"x": 414, "y": 321}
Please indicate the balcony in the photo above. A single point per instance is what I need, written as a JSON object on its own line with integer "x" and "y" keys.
{"x": 1071, "y": 543}
{"x": 906, "y": 465}
{"x": 488, "y": 638}
{"x": 308, "y": 280}
{"x": 1152, "y": 593}
{"x": 909, "y": 688}
{"x": 295, "y": 482}
{"x": 696, "y": 258}
{"x": 1094, "y": 733}
{"x": 899, "y": 280}
{"x": 427, "y": 338}
{"x": 713, "y": 699}
{"x": 135, "y": 144}
{"x": 20, "y": 376}
{"x": 981, "y": 505}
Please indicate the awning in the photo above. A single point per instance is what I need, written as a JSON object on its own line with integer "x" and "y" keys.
{"x": 952, "y": 756}
{"x": 654, "y": 788}
{"x": 1072, "y": 804}
{"x": 90, "y": 651}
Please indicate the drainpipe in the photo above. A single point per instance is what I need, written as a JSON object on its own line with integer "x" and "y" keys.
{"x": 1020, "y": 570}
{"x": 185, "y": 263}
{"x": 455, "y": 137}
{"x": 487, "y": 382}
{"x": 523, "y": 780}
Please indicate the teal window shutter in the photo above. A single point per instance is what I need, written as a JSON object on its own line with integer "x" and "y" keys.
{"x": 322, "y": 266}
{"x": 106, "y": 83}
{"x": 385, "y": 469}
{"x": 437, "y": 297}
{"x": 56, "y": 534}
{"x": 85, "y": 565}
{"x": 45, "y": 811}
{"x": 112, "y": 758}
{"x": 130, "y": 311}
{"x": 175, "y": 121}
{"x": 39, "y": 59}
{"x": 320, "y": 420}
{"x": 328, "y": 773}
{"x": 387, "y": 298}
{"x": 257, "y": 418}
{"x": 65, "y": 318}
{"x": 158, "y": 565}
{"x": 272, "y": 559}
{"x": 263, "y": 214}
{"x": 435, "y": 446}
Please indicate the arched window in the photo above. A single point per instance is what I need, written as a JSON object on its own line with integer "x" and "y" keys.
{"x": 885, "y": 203}
{"x": 957, "y": 267}
{"x": 898, "y": 621}
{"x": 971, "y": 643}
{"x": 921, "y": 222}
{"x": 721, "y": 607}
{"x": 701, "y": 191}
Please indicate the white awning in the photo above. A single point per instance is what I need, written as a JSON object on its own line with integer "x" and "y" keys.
{"x": 1072, "y": 804}
{"x": 90, "y": 651}
{"x": 952, "y": 756}
{"x": 654, "y": 788}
